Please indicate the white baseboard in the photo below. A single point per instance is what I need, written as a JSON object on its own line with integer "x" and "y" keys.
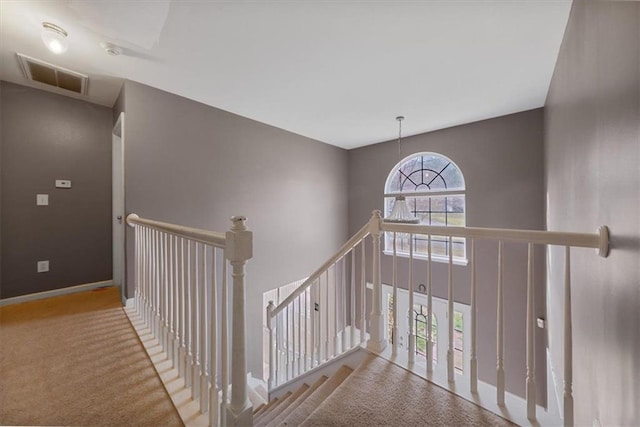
{"x": 55, "y": 292}
{"x": 129, "y": 303}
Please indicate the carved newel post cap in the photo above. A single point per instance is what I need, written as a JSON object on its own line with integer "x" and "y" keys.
{"x": 239, "y": 223}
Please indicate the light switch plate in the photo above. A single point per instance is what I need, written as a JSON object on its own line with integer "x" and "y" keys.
{"x": 63, "y": 183}
{"x": 42, "y": 199}
{"x": 540, "y": 321}
{"x": 43, "y": 266}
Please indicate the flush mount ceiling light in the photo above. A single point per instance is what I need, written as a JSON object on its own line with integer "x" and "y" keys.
{"x": 54, "y": 38}
{"x": 400, "y": 212}
{"x": 111, "y": 49}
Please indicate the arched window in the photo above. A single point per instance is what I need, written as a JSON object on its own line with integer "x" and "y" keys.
{"x": 420, "y": 313}
{"x": 435, "y": 192}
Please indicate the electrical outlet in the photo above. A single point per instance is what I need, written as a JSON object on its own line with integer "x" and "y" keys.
{"x": 43, "y": 266}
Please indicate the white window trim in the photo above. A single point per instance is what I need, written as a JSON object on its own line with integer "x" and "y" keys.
{"x": 434, "y": 258}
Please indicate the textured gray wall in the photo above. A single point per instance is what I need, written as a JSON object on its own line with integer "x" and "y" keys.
{"x": 592, "y": 145}
{"x": 502, "y": 162}
{"x": 192, "y": 164}
{"x": 47, "y": 137}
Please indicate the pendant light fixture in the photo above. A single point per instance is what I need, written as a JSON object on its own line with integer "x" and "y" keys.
{"x": 400, "y": 212}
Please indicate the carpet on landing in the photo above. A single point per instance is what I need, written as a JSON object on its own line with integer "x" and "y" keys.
{"x": 76, "y": 360}
{"x": 379, "y": 393}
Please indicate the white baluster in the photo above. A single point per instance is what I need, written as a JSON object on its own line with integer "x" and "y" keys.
{"x": 352, "y": 311}
{"x": 394, "y": 283}
{"x": 272, "y": 346}
{"x": 343, "y": 305}
{"x": 409, "y": 315}
{"x": 325, "y": 310}
{"x": 147, "y": 278}
{"x": 286, "y": 344}
{"x": 568, "y": 342}
{"x": 293, "y": 342}
{"x": 377, "y": 342}
{"x": 204, "y": 397}
{"x": 136, "y": 246}
{"x": 451, "y": 315}
{"x": 500, "y": 331}
{"x": 169, "y": 271}
{"x": 474, "y": 313}
{"x": 189, "y": 308}
{"x": 305, "y": 335}
{"x": 224, "y": 344}
{"x": 300, "y": 352}
{"x": 140, "y": 305}
{"x": 156, "y": 287}
{"x": 336, "y": 309}
{"x": 363, "y": 294}
{"x": 531, "y": 370}
{"x": 213, "y": 348}
{"x": 176, "y": 304}
{"x": 312, "y": 320}
{"x": 163, "y": 292}
{"x": 429, "y": 309}
{"x": 195, "y": 326}
{"x": 182, "y": 356}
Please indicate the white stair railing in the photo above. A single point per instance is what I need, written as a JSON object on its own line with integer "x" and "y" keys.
{"x": 299, "y": 345}
{"x": 182, "y": 297}
{"x": 317, "y": 321}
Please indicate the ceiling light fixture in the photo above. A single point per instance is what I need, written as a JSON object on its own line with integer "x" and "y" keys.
{"x": 111, "y": 49}
{"x": 54, "y": 38}
{"x": 400, "y": 212}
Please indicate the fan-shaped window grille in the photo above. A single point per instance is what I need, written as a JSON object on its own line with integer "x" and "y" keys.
{"x": 435, "y": 192}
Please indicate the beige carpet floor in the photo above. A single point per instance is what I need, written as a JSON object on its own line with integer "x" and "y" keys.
{"x": 76, "y": 360}
{"x": 379, "y": 393}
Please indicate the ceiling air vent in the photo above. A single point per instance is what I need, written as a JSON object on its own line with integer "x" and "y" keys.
{"x": 40, "y": 71}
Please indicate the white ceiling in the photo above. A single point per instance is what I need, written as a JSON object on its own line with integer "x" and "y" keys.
{"x": 336, "y": 71}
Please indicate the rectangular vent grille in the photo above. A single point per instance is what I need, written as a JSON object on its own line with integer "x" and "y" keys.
{"x": 40, "y": 71}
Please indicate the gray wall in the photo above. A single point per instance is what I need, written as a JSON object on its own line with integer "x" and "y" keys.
{"x": 192, "y": 164}
{"x": 47, "y": 137}
{"x": 592, "y": 142}
{"x": 502, "y": 162}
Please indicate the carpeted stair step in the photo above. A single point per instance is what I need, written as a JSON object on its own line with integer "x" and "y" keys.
{"x": 278, "y": 402}
{"x": 379, "y": 393}
{"x": 293, "y": 405}
{"x": 263, "y": 419}
{"x": 266, "y": 407}
{"x": 309, "y": 405}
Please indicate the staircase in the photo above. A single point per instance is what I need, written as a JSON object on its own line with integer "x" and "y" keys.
{"x": 377, "y": 392}
{"x": 183, "y": 298}
{"x": 293, "y": 409}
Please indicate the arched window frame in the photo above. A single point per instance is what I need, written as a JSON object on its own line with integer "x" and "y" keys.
{"x": 460, "y": 253}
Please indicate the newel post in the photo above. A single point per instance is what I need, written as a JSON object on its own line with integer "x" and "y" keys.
{"x": 376, "y": 342}
{"x": 272, "y": 347}
{"x": 238, "y": 249}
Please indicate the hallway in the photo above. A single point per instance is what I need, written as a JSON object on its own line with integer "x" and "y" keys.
{"x": 76, "y": 360}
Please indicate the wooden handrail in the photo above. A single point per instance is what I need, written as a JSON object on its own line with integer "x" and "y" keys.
{"x": 344, "y": 249}
{"x": 196, "y": 234}
{"x": 599, "y": 240}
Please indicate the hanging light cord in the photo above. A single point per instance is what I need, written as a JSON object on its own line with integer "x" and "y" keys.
{"x": 399, "y": 119}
